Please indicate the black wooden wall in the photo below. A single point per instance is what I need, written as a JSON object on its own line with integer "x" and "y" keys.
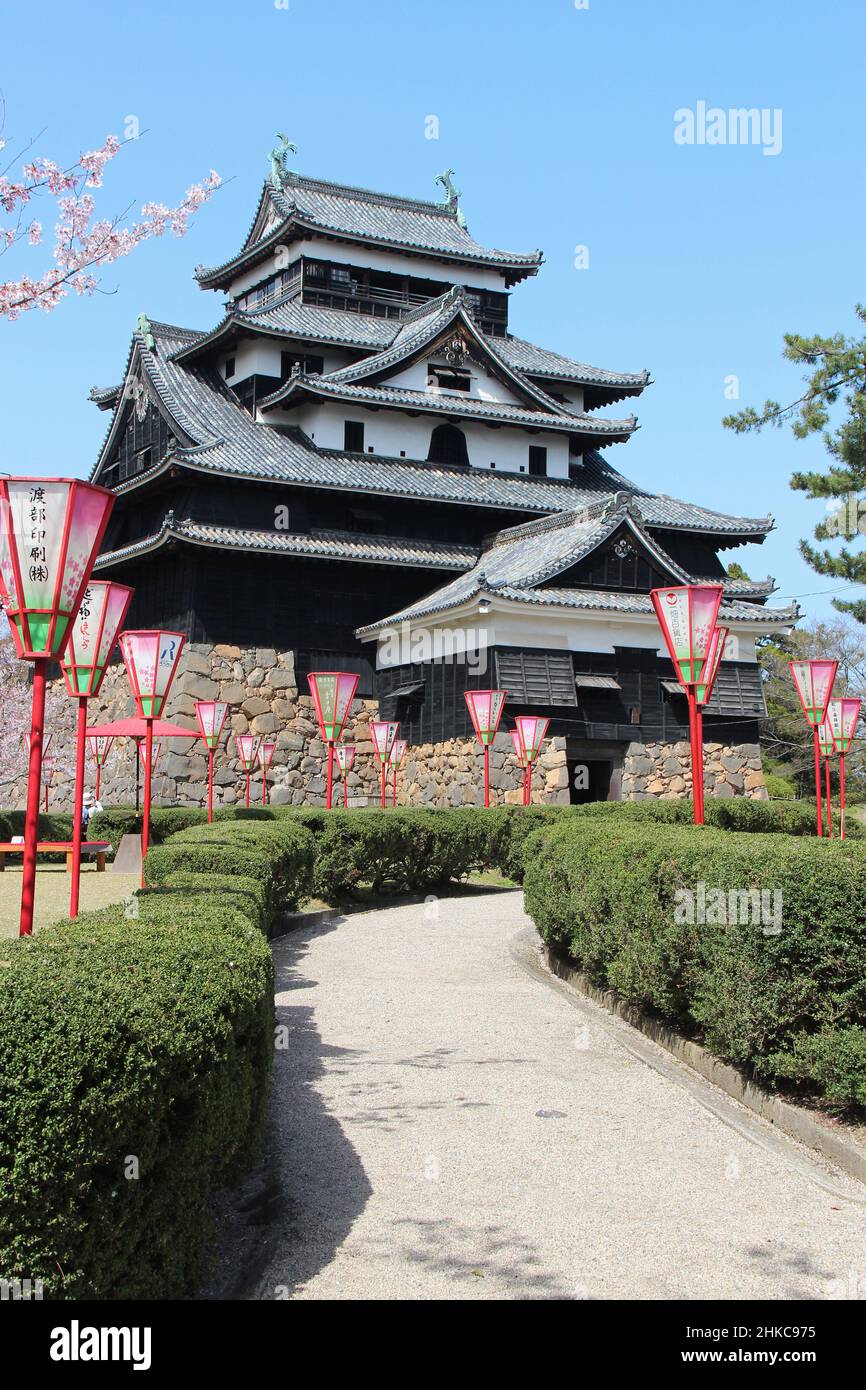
{"x": 428, "y": 699}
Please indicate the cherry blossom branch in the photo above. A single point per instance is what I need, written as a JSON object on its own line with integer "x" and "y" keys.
{"x": 81, "y": 244}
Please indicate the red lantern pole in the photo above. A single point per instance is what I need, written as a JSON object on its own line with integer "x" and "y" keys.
{"x": 333, "y": 693}
{"x": 485, "y": 711}
{"x": 34, "y": 788}
{"x": 209, "y": 785}
{"x": 151, "y": 658}
{"x": 843, "y": 715}
{"x": 829, "y": 799}
{"x": 696, "y": 754}
{"x": 247, "y": 749}
{"x": 699, "y": 750}
{"x": 818, "y": 793}
{"x": 345, "y": 755}
{"x": 210, "y": 716}
{"x": 383, "y": 733}
{"x": 266, "y": 757}
{"x": 50, "y": 532}
{"x": 814, "y": 682}
{"x": 148, "y": 765}
{"x": 77, "y": 805}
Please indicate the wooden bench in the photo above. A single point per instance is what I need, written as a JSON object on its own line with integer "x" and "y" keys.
{"x": 97, "y": 847}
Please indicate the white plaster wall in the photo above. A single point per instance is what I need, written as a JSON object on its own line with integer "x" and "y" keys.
{"x": 262, "y": 356}
{"x": 422, "y": 267}
{"x": 555, "y": 631}
{"x": 389, "y": 432}
{"x": 483, "y": 385}
{"x": 573, "y": 394}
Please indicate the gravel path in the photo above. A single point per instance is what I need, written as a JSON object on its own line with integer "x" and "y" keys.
{"x": 447, "y": 1126}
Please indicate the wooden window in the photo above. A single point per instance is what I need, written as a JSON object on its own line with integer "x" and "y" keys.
{"x": 537, "y": 461}
{"x": 450, "y": 378}
{"x": 448, "y": 445}
{"x": 230, "y": 367}
{"x": 537, "y": 678}
{"x": 353, "y": 436}
{"x": 305, "y": 363}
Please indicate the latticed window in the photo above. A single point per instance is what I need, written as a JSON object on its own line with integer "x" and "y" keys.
{"x": 448, "y": 445}
{"x": 537, "y": 678}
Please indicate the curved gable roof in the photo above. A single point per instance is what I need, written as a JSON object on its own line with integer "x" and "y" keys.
{"x": 361, "y": 215}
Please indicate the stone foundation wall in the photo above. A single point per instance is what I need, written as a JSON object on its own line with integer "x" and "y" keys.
{"x": 261, "y": 689}
{"x": 665, "y": 770}
{"x": 452, "y": 774}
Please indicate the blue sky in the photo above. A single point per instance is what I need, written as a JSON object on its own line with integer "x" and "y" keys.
{"x": 559, "y": 122}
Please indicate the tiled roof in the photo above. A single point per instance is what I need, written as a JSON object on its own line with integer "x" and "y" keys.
{"x": 449, "y": 597}
{"x": 448, "y": 315}
{"x": 741, "y": 588}
{"x": 378, "y": 219}
{"x": 392, "y": 337}
{"x": 471, "y": 587}
{"x": 105, "y": 396}
{"x": 447, "y": 403}
{"x": 539, "y": 361}
{"x": 322, "y": 545}
{"x": 221, "y": 438}
{"x": 730, "y": 611}
{"x": 294, "y": 320}
{"x": 519, "y": 560}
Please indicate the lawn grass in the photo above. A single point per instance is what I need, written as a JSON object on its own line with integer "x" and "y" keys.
{"x": 52, "y": 893}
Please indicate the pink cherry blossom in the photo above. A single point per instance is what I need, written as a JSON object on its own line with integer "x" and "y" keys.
{"x": 81, "y": 244}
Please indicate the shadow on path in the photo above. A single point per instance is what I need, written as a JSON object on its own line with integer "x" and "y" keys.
{"x": 296, "y": 1207}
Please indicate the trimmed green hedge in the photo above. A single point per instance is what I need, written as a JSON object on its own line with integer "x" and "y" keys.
{"x": 783, "y": 997}
{"x": 279, "y": 855}
{"x": 53, "y": 825}
{"x": 117, "y": 821}
{"x": 135, "y": 1052}
{"x": 399, "y": 851}
{"x": 134, "y": 1061}
{"x": 138, "y": 1040}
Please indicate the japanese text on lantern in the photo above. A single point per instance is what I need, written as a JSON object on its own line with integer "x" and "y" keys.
{"x": 38, "y": 532}
{"x": 84, "y": 620}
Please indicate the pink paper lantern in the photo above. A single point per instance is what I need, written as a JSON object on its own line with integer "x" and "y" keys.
{"x": 485, "y": 710}
{"x": 247, "y": 746}
{"x": 151, "y": 660}
{"x": 842, "y": 716}
{"x": 50, "y": 532}
{"x": 333, "y": 693}
{"x": 104, "y": 606}
{"x": 346, "y": 757}
{"x": 211, "y": 716}
{"x": 687, "y": 616}
{"x": 532, "y": 731}
{"x": 814, "y": 682}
